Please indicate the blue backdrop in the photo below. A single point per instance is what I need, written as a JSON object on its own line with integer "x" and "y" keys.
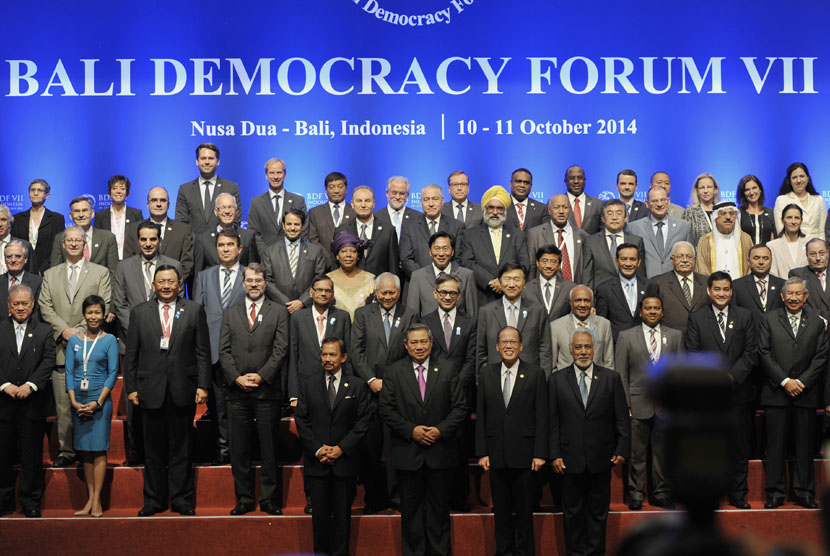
{"x": 98, "y": 88}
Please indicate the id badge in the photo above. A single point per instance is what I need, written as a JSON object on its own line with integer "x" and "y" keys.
{"x": 164, "y": 343}
{"x": 84, "y": 384}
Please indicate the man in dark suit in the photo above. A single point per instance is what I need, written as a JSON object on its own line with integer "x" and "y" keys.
{"x": 332, "y": 416}
{"x": 682, "y": 290}
{"x": 548, "y": 288}
{"x": 524, "y": 213}
{"x": 16, "y": 255}
{"x": 627, "y": 185}
{"x": 815, "y": 276}
{"x": 396, "y": 213}
{"x": 167, "y": 372}
{"x": 793, "y": 350}
{"x": 619, "y": 298}
{"x": 492, "y": 244}
{"x": 100, "y": 247}
{"x": 759, "y": 291}
{"x": 196, "y": 199}
{"x": 253, "y": 353}
{"x": 204, "y": 244}
{"x": 600, "y": 249}
{"x": 590, "y": 432}
{"x": 176, "y": 237}
{"x": 460, "y": 207}
{"x": 382, "y": 256}
{"x": 324, "y": 219}
{"x": 512, "y": 431}
{"x": 729, "y": 331}
{"x": 423, "y": 405}
{"x": 51, "y": 224}
{"x": 585, "y": 209}
{"x": 569, "y": 239}
{"x": 420, "y": 297}
{"x": 415, "y": 232}
{"x": 27, "y": 350}
{"x": 637, "y": 350}
{"x": 372, "y": 353}
{"x": 267, "y": 210}
{"x": 118, "y": 188}
{"x": 6, "y": 237}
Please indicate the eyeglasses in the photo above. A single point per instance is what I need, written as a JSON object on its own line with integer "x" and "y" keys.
{"x": 254, "y": 280}
{"x": 73, "y": 241}
{"x": 509, "y": 342}
{"x": 445, "y": 293}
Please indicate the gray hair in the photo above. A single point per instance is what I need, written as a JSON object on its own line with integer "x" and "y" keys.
{"x": 21, "y": 287}
{"x": 4, "y": 208}
{"x": 685, "y": 243}
{"x": 18, "y": 243}
{"x": 581, "y": 330}
{"x": 274, "y": 161}
{"x": 397, "y": 179}
{"x": 216, "y": 203}
{"x": 388, "y": 276}
{"x": 571, "y": 295}
{"x": 74, "y": 228}
{"x": 795, "y": 280}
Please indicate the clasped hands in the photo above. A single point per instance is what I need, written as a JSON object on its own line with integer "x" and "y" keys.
{"x": 794, "y": 387}
{"x": 201, "y": 396}
{"x": 426, "y": 436}
{"x": 18, "y": 392}
{"x": 329, "y": 454}
{"x": 248, "y": 382}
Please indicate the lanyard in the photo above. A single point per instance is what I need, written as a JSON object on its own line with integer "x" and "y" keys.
{"x": 85, "y": 356}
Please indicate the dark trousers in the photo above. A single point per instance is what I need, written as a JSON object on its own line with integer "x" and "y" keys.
{"x": 513, "y": 493}
{"x": 585, "y": 500}
{"x": 27, "y": 436}
{"x": 218, "y": 412}
{"x": 645, "y": 433}
{"x": 460, "y": 488}
{"x": 135, "y": 432}
{"x": 332, "y": 497}
{"x": 783, "y": 423}
{"x": 425, "y": 513}
{"x": 248, "y": 417}
{"x": 744, "y": 415}
{"x": 373, "y": 476}
{"x": 168, "y": 467}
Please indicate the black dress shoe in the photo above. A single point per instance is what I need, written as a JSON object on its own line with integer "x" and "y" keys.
{"x": 31, "y": 511}
{"x": 664, "y": 503}
{"x": 371, "y": 509}
{"x": 242, "y": 509}
{"x": 133, "y": 461}
{"x": 635, "y": 505}
{"x": 184, "y": 510}
{"x": 221, "y": 460}
{"x": 307, "y": 509}
{"x": 6, "y": 511}
{"x": 147, "y": 511}
{"x": 739, "y": 502}
{"x": 773, "y": 502}
{"x": 805, "y": 502}
{"x": 461, "y": 507}
{"x": 63, "y": 461}
{"x": 270, "y": 508}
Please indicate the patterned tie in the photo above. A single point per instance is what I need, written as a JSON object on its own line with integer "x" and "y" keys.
{"x": 73, "y": 281}
{"x": 722, "y": 325}
{"x": 627, "y": 210}
{"x": 336, "y": 214}
{"x": 207, "y": 199}
{"x": 687, "y": 291}
{"x": 332, "y": 392}
{"x": 583, "y": 387}
{"x": 433, "y": 227}
{"x": 292, "y": 259}
{"x": 363, "y": 231}
{"x": 505, "y": 391}
{"x": 321, "y": 326}
{"x": 19, "y": 337}
{"x": 226, "y": 288}
{"x": 577, "y": 213}
{"x": 12, "y": 282}
{"x": 652, "y": 345}
{"x": 459, "y": 215}
{"x": 253, "y": 317}
{"x": 566, "y": 260}
{"x": 548, "y": 295}
{"x": 495, "y": 235}
{"x": 277, "y": 208}
{"x": 387, "y": 325}
{"x": 661, "y": 242}
{"x": 762, "y": 292}
{"x": 521, "y": 210}
{"x": 613, "y": 248}
{"x": 447, "y": 330}
{"x": 794, "y": 324}
{"x": 422, "y": 381}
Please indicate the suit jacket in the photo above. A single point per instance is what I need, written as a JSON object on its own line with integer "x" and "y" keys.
{"x": 263, "y": 221}
{"x": 262, "y": 349}
{"x": 181, "y": 369}
{"x": 591, "y": 215}
{"x": 472, "y": 218}
{"x": 103, "y": 251}
{"x": 480, "y": 257}
{"x": 598, "y": 266}
{"x": 27, "y": 279}
{"x": 408, "y": 213}
{"x": 638, "y": 210}
{"x": 803, "y": 356}
{"x": 282, "y": 287}
{"x": 612, "y": 304}
{"x": 420, "y": 298}
{"x": 207, "y": 292}
{"x": 344, "y": 424}
{"x": 51, "y": 224}
{"x": 371, "y": 353}
{"x": 59, "y": 310}
{"x": 533, "y": 326}
{"x": 739, "y": 351}
{"x": 512, "y": 436}
{"x": 782, "y": 259}
{"x": 657, "y": 258}
{"x": 543, "y": 235}
{"x": 587, "y": 437}
{"x": 103, "y": 219}
{"x": 304, "y": 352}
{"x": 461, "y": 352}
{"x": 675, "y": 308}
{"x": 321, "y": 227}
{"x": 414, "y": 244}
{"x": 536, "y": 214}
{"x": 818, "y": 300}
{"x": 632, "y": 361}
{"x": 34, "y": 363}
{"x": 561, "y": 330}
{"x": 177, "y": 244}
{"x": 204, "y": 249}
{"x": 560, "y": 304}
{"x": 190, "y": 204}
{"x": 402, "y": 409}
{"x": 745, "y": 294}
{"x": 383, "y": 255}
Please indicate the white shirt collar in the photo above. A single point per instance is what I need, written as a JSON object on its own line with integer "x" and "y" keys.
{"x": 513, "y": 369}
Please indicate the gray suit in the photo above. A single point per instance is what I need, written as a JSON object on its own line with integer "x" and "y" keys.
{"x": 597, "y": 262}
{"x": 532, "y": 323}
{"x": 207, "y": 292}
{"x": 676, "y": 310}
{"x": 263, "y": 221}
{"x": 472, "y": 217}
{"x": 420, "y": 298}
{"x": 657, "y": 257}
{"x": 190, "y": 204}
{"x": 177, "y": 243}
{"x": 103, "y": 250}
{"x": 561, "y": 330}
{"x": 321, "y": 227}
{"x": 282, "y": 287}
{"x": 544, "y": 235}
{"x": 560, "y": 304}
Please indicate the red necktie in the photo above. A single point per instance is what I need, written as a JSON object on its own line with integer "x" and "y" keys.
{"x": 566, "y": 260}
{"x": 86, "y": 251}
{"x": 577, "y": 213}
{"x": 253, "y": 316}
{"x": 521, "y": 212}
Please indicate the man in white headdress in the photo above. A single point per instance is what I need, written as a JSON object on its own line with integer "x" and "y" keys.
{"x": 726, "y": 247}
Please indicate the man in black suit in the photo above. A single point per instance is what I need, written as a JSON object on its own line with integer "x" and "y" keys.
{"x": 548, "y": 288}
{"x": 590, "y": 432}
{"x": 118, "y": 188}
{"x": 682, "y": 290}
{"x": 600, "y": 249}
{"x": 253, "y": 353}
{"x": 619, "y": 298}
{"x": 196, "y": 199}
{"x": 51, "y": 224}
{"x": 627, "y": 185}
{"x": 396, "y": 213}
{"x": 422, "y": 403}
{"x": 204, "y": 244}
{"x": 167, "y": 372}
{"x": 382, "y": 256}
{"x": 793, "y": 350}
{"x": 324, "y": 219}
{"x": 512, "y": 431}
{"x": 585, "y": 209}
{"x": 415, "y": 232}
{"x": 759, "y": 291}
{"x": 524, "y": 213}
{"x": 16, "y": 255}
{"x": 332, "y": 416}
{"x": 459, "y": 187}
{"x": 816, "y": 278}
{"x": 28, "y": 354}
{"x": 100, "y": 247}
{"x": 267, "y": 210}
{"x": 729, "y": 331}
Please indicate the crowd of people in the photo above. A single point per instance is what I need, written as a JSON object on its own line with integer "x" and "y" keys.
{"x": 384, "y": 331}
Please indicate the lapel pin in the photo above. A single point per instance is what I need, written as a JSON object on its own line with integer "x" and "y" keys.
{"x": 664, "y": 340}
{"x": 332, "y": 321}
{"x": 579, "y": 241}
{"x": 259, "y": 317}
{"x": 380, "y": 228}
{"x": 772, "y": 287}
{"x": 345, "y": 385}
{"x": 458, "y": 331}
{"x": 435, "y": 370}
{"x": 30, "y": 334}
{"x": 642, "y": 293}
{"x": 290, "y": 200}
{"x": 398, "y": 322}
{"x": 521, "y": 376}
{"x": 524, "y": 314}
{"x": 731, "y": 323}
{"x": 506, "y": 235}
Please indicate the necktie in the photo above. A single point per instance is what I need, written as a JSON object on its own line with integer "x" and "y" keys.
{"x": 548, "y": 295}
{"x": 332, "y": 392}
{"x": 387, "y": 325}
{"x": 661, "y": 242}
{"x": 433, "y": 227}
{"x": 627, "y": 210}
{"x": 73, "y": 281}
{"x": 459, "y": 215}
{"x": 652, "y": 346}
{"x": 207, "y": 198}
{"x": 86, "y": 249}
{"x": 577, "y": 213}
{"x": 511, "y": 316}
{"x": 505, "y": 392}
{"x": 253, "y": 317}
{"x": 687, "y": 291}
{"x": 292, "y": 259}
{"x": 613, "y": 248}
{"x": 631, "y": 297}
{"x": 794, "y": 324}
{"x": 495, "y": 234}
{"x": 722, "y": 325}
{"x": 277, "y": 208}
{"x": 762, "y": 292}
{"x": 148, "y": 279}
{"x": 583, "y": 387}
{"x": 321, "y": 326}
{"x": 12, "y": 282}
{"x": 566, "y": 260}
{"x": 336, "y": 214}
{"x": 422, "y": 381}
{"x": 447, "y": 330}
{"x": 363, "y": 232}
{"x": 19, "y": 337}
{"x": 521, "y": 210}
{"x": 226, "y": 288}
{"x": 165, "y": 328}
{"x": 396, "y": 221}
{"x": 822, "y": 281}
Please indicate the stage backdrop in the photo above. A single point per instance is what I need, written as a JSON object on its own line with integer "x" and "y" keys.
{"x": 375, "y": 88}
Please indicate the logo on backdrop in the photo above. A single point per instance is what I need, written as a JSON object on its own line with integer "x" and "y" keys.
{"x": 443, "y": 11}
{"x": 92, "y": 200}
{"x": 14, "y": 202}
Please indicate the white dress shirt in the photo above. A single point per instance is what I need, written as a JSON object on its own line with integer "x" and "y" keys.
{"x": 514, "y": 372}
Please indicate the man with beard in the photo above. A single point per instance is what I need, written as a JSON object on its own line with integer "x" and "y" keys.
{"x": 567, "y": 238}
{"x": 725, "y": 248}
{"x": 396, "y": 213}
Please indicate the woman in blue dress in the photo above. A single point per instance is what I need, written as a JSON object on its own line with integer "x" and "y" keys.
{"x": 91, "y": 370}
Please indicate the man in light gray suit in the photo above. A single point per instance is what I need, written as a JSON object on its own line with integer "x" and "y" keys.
{"x": 62, "y": 294}
{"x": 662, "y": 179}
{"x": 217, "y": 288}
{"x": 420, "y": 298}
{"x": 559, "y": 232}
{"x": 460, "y": 207}
{"x": 660, "y": 231}
{"x": 580, "y": 315}
{"x": 638, "y": 349}
{"x": 196, "y": 199}
{"x": 101, "y": 246}
{"x": 549, "y": 289}
{"x": 268, "y": 210}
